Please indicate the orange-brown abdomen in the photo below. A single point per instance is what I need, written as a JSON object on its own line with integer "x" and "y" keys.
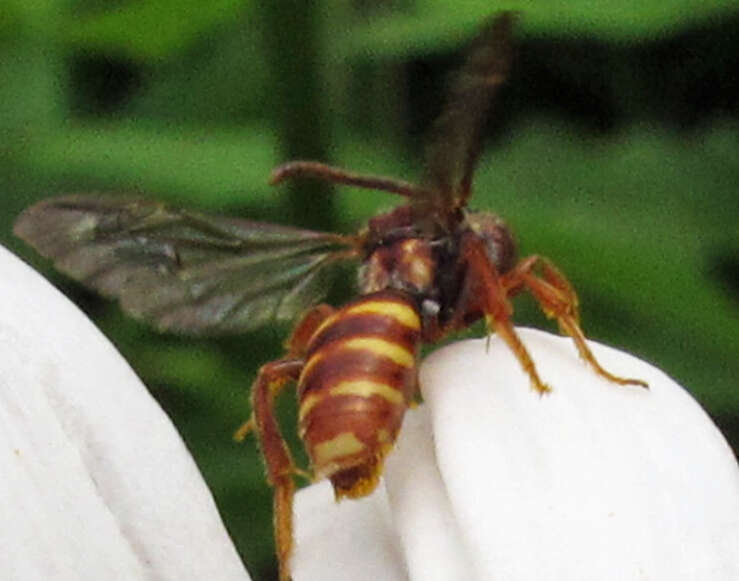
{"x": 358, "y": 379}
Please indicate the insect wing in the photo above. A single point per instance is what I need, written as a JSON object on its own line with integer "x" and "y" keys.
{"x": 454, "y": 144}
{"x": 183, "y": 271}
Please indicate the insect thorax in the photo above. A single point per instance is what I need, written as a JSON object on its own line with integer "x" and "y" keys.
{"x": 398, "y": 256}
{"x": 429, "y": 267}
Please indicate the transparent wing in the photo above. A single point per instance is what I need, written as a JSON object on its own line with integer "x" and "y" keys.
{"x": 184, "y": 271}
{"x": 454, "y": 144}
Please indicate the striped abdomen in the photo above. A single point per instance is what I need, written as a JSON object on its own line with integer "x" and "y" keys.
{"x": 358, "y": 379}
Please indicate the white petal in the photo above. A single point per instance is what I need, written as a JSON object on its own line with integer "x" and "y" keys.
{"x": 96, "y": 483}
{"x": 351, "y": 540}
{"x": 593, "y": 481}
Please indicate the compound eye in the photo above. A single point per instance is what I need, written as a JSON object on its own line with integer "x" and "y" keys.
{"x": 499, "y": 243}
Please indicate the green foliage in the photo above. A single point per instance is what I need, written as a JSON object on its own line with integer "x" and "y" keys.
{"x": 10, "y": 17}
{"x": 149, "y": 29}
{"x": 203, "y": 88}
{"x": 433, "y": 25}
{"x": 214, "y": 167}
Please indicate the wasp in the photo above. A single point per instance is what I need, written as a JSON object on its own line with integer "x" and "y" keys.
{"x": 428, "y": 268}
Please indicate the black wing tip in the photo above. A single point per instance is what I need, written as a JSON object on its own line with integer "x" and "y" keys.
{"x": 493, "y": 45}
{"x": 503, "y": 22}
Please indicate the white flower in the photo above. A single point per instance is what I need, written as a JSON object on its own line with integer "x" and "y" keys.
{"x": 488, "y": 481}
{"x": 95, "y": 483}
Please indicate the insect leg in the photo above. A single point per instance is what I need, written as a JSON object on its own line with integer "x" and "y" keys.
{"x": 558, "y": 300}
{"x": 306, "y": 328}
{"x": 295, "y": 346}
{"x": 271, "y": 380}
{"x": 482, "y": 290}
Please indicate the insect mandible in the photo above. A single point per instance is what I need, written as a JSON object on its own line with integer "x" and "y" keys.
{"x": 427, "y": 268}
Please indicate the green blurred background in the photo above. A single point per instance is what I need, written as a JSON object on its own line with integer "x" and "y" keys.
{"x": 613, "y": 151}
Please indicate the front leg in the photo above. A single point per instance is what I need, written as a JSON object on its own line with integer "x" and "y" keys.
{"x": 558, "y": 300}
{"x": 483, "y": 292}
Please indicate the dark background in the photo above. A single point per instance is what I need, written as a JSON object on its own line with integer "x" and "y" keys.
{"x": 613, "y": 151}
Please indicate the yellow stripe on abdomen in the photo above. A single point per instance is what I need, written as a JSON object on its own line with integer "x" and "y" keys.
{"x": 403, "y": 314}
{"x": 367, "y": 388}
{"x": 383, "y": 348}
{"x": 341, "y": 446}
{"x": 360, "y": 388}
{"x": 377, "y": 345}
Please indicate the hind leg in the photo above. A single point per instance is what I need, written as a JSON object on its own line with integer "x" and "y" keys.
{"x": 280, "y": 467}
{"x": 271, "y": 380}
{"x": 295, "y": 347}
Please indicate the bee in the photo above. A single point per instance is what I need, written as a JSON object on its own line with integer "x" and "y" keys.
{"x": 428, "y": 268}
